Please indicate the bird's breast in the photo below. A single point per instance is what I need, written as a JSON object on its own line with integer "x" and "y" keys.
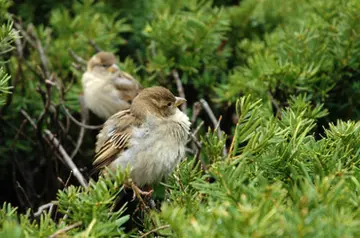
{"x": 155, "y": 149}
{"x": 101, "y": 97}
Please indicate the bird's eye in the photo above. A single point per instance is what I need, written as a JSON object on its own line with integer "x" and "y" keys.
{"x": 105, "y": 65}
{"x": 169, "y": 104}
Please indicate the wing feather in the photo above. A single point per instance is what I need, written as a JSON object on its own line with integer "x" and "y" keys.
{"x": 113, "y": 138}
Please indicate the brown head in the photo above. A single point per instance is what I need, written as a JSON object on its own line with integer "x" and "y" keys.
{"x": 157, "y": 101}
{"x": 103, "y": 62}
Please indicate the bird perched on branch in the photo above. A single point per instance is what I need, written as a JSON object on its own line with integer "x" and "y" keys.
{"x": 150, "y": 137}
{"x": 107, "y": 89}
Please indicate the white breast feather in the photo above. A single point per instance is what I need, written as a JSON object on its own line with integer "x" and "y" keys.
{"x": 155, "y": 148}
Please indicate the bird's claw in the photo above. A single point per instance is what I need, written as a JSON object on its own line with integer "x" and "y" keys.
{"x": 138, "y": 192}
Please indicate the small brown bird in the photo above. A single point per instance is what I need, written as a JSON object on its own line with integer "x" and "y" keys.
{"x": 150, "y": 137}
{"x": 107, "y": 89}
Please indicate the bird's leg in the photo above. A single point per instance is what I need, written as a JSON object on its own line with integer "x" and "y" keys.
{"x": 138, "y": 192}
{"x": 149, "y": 191}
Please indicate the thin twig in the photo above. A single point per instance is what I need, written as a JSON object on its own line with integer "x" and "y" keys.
{"x": 21, "y": 132}
{"x": 18, "y": 186}
{"x": 44, "y": 60}
{"x": 198, "y": 151}
{"x": 19, "y": 46}
{"x": 198, "y": 128}
{"x": 65, "y": 229}
{"x": 47, "y": 99}
{"x": 68, "y": 179}
{"x": 213, "y": 119}
{"x": 78, "y": 67}
{"x": 155, "y": 230}
{"x": 26, "y": 115}
{"x": 194, "y": 133}
{"x": 77, "y": 58}
{"x": 180, "y": 88}
{"x": 208, "y": 110}
{"x": 47, "y": 102}
{"x": 195, "y": 112}
{"x": 194, "y": 139}
{"x": 84, "y": 119}
{"x": 67, "y": 158}
{"x": 43, "y": 207}
{"x": 97, "y": 127}
{"x": 93, "y": 44}
{"x": 25, "y": 34}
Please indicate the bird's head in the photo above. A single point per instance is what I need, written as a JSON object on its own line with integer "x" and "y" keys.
{"x": 103, "y": 63}
{"x": 157, "y": 101}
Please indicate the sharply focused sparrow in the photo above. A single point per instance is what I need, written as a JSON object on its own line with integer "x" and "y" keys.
{"x": 150, "y": 137}
{"x": 107, "y": 89}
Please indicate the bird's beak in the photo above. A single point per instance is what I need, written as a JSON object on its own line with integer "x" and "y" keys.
{"x": 113, "y": 68}
{"x": 179, "y": 101}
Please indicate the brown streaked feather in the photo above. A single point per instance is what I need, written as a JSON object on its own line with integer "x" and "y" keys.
{"x": 113, "y": 138}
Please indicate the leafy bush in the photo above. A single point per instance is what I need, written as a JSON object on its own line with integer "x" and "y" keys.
{"x": 291, "y": 166}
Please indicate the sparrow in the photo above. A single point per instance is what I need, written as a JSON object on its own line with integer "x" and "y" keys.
{"x": 107, "y": 89}
{"x": 149, "y": 137}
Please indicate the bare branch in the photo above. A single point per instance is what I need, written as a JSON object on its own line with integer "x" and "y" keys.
{"x": 20, "y": 188}
{"x": 155, "y": 230}
{"x": 194, "y": 133}
{"x": 208, "y": 110}
{"x": 19, "y": 46}
{"x": 213, "y": 119}
{"x": 25, "y": 34}
{"x": 93, "y": 44}
{"x": 77, "y": 58}
{"x": 43, "y": 207}
{"x": 97, "y": 127}
{"x": 198, "y": 128}
{"x": 198, "y": 151}
{"x": 44, "y": 60}
{"x": 26, "y": 115}
{"x": 66, "y": 158}
{"x": 195, "y": 112}
{"x": 84, "y": 119}
{"x": 197, "y": 143}
{"x": 65, "y": 229}
{"x": 180, "y": 88}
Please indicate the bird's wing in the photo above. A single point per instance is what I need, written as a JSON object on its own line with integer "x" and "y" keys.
{"x": 127, "y": 87}
{"x": 114, "y": 137}
{"x": 125, "y": 81}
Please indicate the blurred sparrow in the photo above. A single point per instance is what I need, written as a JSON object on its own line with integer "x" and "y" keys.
{"x": 150, "y": 137}
{"x": 107, "y": 89}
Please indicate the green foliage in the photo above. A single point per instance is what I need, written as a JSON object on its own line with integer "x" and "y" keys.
{"x": 292, "y": 162}
{"x": 213, "y": 145}
{"x": 187, "y": 36}
{"x": 7, "y": 37}
{"x": 279, "y": 181}
{"x": 4, "y": 88}
{"x": 92, "y": 207}
{"x": 84, "y": 21}
{"x": 313, "y": 50}
{"x": 8, "y": 222}
{"x": 68, "y": 28}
